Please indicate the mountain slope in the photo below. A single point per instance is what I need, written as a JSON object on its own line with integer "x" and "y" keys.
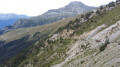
{"x": 78, "y": 43}
{"x": 13, "y": 42}
{"x": 99, "y": 52}
{"x": 9, "y": 19}
{"x": 72, "y": 9}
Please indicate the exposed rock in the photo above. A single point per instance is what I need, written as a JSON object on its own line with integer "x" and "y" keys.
{"x": 86, "y": 53}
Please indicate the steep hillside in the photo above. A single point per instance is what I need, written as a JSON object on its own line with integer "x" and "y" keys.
{"x": 98, "y": 51}
{"x": 16, "y": 40}
{"x": 89, "y": 40}
{"x": 9, "y": 19}
{"x": 50, "y": 16}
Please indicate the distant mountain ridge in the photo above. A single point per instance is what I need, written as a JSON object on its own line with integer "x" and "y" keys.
{"x": 70, "y": 10}
{"x": 10, "y": 18}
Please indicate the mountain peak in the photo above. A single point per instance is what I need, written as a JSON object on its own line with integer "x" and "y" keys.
{"x": 76, "y": 2}
{"x": 77, "y": 7}
{"x": 73, "y": 8}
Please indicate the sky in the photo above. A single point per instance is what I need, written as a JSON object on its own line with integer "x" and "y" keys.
{"x": 37, "y": 7}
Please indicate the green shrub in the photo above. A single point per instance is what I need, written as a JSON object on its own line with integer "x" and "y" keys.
{"x": 82, "y": 61}
{"x": 98, "y": 12}
{"x": 111, "y": 4}
{"x": 102, "y": 47}
{"x": 101, "y": 7}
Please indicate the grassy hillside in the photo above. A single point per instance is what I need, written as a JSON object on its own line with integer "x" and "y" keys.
{"x": 16, "y": 40}
{"x": 19, "y": 33}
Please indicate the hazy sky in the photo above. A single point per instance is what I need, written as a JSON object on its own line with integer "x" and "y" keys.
{"x": 37, "y": 7}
